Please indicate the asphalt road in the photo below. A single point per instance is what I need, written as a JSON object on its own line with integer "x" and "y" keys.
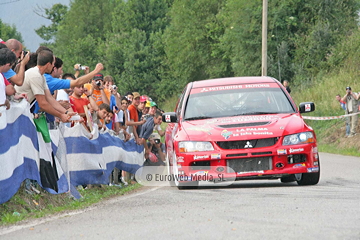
{"x": 247, "y": 210}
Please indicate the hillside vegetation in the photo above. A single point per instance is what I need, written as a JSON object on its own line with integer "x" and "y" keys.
{"x": 322, "y": 91}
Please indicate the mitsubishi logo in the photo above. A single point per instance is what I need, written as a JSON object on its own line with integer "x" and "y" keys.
{"x": 248, "y": 145}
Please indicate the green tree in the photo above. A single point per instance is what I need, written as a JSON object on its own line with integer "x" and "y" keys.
{"x": 55, "y": 14}
{"x": 9, "y": 32}
{"x": 134, "y": 50}
{"x": 191, "y": 41}
{"x": 81, "y": 32}
{"x": 301, "y": 35}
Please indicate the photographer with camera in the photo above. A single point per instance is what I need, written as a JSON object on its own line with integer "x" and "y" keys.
{"x": 97, "y": 91}
{"x": 350, "y": 99}
{"x": 156, "y": 151}
{"x": 147, "y": 129}
{"x": 23, "y": 57}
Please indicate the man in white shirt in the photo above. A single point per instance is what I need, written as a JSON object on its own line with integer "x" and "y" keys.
{"x": 36, "y": 88}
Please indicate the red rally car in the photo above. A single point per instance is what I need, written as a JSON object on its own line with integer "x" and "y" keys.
{"x": 240, "y": 128}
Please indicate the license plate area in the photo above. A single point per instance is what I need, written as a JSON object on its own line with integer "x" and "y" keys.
{"x": 250, "y": 164}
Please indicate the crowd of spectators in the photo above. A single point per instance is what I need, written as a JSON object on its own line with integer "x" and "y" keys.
{"x": 83, "y": 97}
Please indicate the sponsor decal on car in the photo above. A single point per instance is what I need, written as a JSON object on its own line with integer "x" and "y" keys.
{"x": 307, "y": 107}
{"x": 221, "y": 88}
{"x": 196, "y": 157}
{"x": 252, "y": 133}
{"x": 313, "y": 169}
{"x": 299, "y": 165}
{"x": 243, "y": 119}
{"x": 281, "y": 151}
{"x": 226, "y": 134}
{"x": 216, "y": 156}
{"x": 184, "y": 178}
{"x": 263, "y": 133}
{"x": 167, "y": 118}
{"x": 242, "y": 134}
{"x": 201, "y": 172}
{"x": 292, "y": 150}
{"x": 257, "y": 86}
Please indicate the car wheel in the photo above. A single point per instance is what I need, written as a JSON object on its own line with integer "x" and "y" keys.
{"x": 308, "y": 178}
{"x": 190, "y": 185}
{"x": 181, "y": 186}
{"x": 169, "y": 172}
{"x": 287, "y": 179}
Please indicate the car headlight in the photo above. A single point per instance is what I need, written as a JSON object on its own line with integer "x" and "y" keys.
{"x": 299, "y": 138}
{"x": 195, "y": 146}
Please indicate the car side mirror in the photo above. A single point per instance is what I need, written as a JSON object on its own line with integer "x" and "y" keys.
{"x": 306, "y": 107}
{"x": 169, "y": 117}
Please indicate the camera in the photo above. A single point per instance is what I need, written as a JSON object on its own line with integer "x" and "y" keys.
{"x": 157, "y": 141}
{"x": 24, "y": 53}
{"x": 146, "y": 116}
{"x": 81, "y": 67}
{"x": 98, "y": 83}
{"x": 114, "y": 87}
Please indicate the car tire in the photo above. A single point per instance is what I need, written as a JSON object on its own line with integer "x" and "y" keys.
{"x": 181, "y": 185}
{"x": 190, "y": 185}
{"x": 288, "y": 179}
{"x": 303, "y": 179}
{"x": 169, "y": 172}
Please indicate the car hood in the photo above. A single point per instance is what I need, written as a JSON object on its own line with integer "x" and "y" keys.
{"x": 244, "y": 127}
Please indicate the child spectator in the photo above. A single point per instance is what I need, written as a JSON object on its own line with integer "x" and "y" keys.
{"x": 99, "y": 93}
{"x": 100, "y": 114}
{"x": 130, "y": 97}
{"x": 122, "y": 118}
{"x": 152, "y": 111}
{"x": 114, "y": 97}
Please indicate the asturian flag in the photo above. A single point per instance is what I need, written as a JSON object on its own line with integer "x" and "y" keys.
{"x": 70, "y": 159}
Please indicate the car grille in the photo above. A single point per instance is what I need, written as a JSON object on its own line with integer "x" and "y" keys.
{"x": 248, "y": 144}
{"x": 252, "y": 124}
{"x": 250, "y": 164}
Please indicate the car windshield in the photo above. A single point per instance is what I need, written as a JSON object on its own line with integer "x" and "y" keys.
{"x": 237, "y": 102}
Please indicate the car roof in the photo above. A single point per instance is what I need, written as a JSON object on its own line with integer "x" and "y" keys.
{"x": 232, "y": 81}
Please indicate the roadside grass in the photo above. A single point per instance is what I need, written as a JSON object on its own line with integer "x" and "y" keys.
{"x": 27, "y": 206}
{"x": 347, "y": 151}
